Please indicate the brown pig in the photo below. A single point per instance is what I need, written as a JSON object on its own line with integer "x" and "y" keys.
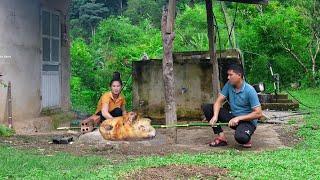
{"x": 127, "y": 127}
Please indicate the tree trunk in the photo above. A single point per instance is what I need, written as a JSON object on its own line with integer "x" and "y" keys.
{"x": 9, "y": 106}
{"x": 295, "y": 56}
{"x": 191, "y": 3}
{"x": 212, "y": 49}
{"x": 314, "y": 56}
{"x": 121, "y": 7}
{"x": 230, "y": 28}
{"x": 167, "y": 25}
{"x": 92, "y": 30}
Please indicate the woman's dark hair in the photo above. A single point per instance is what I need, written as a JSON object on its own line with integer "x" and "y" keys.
{"x": 116, "y": 77}
{"x": 237, "y": 69}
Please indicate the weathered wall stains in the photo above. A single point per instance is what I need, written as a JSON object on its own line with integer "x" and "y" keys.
{"x": 193, "y": 84}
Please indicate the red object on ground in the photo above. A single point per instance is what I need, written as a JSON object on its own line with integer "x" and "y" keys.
{"x": 248, "y": 145}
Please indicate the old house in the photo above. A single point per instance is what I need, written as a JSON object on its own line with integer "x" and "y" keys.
{"x": 34, "y": 57}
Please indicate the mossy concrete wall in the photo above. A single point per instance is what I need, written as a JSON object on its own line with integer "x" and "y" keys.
{"x": 193, "y": 84}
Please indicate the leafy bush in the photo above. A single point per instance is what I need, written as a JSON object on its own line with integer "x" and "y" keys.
{"x": 5, "y": 131}
{"x": 116, "y": 44}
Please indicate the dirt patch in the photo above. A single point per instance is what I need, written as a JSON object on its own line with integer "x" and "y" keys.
{"x": 178, "y": 172}
{"x": 190, "y": 140}
{"x": 288, "y": 134}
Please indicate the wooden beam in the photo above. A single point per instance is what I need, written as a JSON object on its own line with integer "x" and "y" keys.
{"x": 9, "y": 106}
{"x": 212, "y": 49}
{"x": 167, "y": 25}
{"x": 171, "y": 15}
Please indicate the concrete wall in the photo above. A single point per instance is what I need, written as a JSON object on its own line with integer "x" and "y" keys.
{"x": 21, "y": 43}
{"x": 192, "y": 87}
{"x": 193, "y": 83}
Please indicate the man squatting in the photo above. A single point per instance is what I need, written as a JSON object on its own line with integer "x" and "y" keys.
{"x": 245, "y": 109}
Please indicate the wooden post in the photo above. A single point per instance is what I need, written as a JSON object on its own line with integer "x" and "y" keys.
{"x": 167, "y": 26}
{"x": 9, "y": 105}
{"x": 212, "y": 49}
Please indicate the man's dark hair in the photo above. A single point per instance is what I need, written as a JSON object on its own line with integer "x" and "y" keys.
{"x": 236, "y": 68}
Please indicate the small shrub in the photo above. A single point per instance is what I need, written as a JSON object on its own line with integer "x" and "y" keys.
{"x": 5, "y": 131}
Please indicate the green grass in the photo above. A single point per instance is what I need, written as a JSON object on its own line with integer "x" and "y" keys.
{"x": 5, "y": 131}
{"x": 309, "y": 97}
{"x": 299, "y": 162}
{"x": 32, "y": 165}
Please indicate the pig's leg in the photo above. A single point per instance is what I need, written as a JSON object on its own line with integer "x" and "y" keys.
{"x": 102, "y": 118}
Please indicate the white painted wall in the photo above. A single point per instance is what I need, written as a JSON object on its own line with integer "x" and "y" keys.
{"x": 20, "y": 41}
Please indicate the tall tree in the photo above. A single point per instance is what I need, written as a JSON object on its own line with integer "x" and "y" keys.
{"x": 212, "y": 48}
{"x": 139, "y": 10}
{"x": 310, "y": 10}
{"x": 86, "y": 14}
{"x": 167, "y": 26}
{"x": 91, "y": 14}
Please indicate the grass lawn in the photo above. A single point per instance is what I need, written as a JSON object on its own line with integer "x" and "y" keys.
{"x": 299, "y": 162}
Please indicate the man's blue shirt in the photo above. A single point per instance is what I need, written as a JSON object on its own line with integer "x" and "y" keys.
{"x": 243, "y": 101}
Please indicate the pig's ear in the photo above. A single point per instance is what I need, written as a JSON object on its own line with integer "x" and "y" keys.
{"x": 117, "y": 126}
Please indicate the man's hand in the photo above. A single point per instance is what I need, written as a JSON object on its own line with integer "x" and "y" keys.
{"x": 234, "y": 122}
{"x": 213, "y": 121}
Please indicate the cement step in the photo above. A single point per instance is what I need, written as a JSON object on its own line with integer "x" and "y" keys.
{"x": 281, "y": 101}
{"x": 279, "y": 96}
{"x": 271, "y": 98}
{"x": 280, "y": 106}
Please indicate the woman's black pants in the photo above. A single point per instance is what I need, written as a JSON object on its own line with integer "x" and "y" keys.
{"x": 114, "y": 113}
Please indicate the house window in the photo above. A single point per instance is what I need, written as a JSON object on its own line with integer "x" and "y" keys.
{"x": 50, "y": 37}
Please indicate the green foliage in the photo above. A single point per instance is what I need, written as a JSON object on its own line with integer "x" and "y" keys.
{"x": 189, "y": 38}
{"x": 86, "y": 14}
{"x": 118, "y": 39}
{"x": 5, "y": 131}
{"x": 138, "y": 10}
{"x": 17, "y": 164}
{"x": 310, "y": 80}
{"x": 82, "y": 70}
{"x": 116, "y": 44}
{"x": 260, "y": 34}
{"x": 265, "y": 33}
{"x": 308, "y": 96}
{"x": 91, "y": 14}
